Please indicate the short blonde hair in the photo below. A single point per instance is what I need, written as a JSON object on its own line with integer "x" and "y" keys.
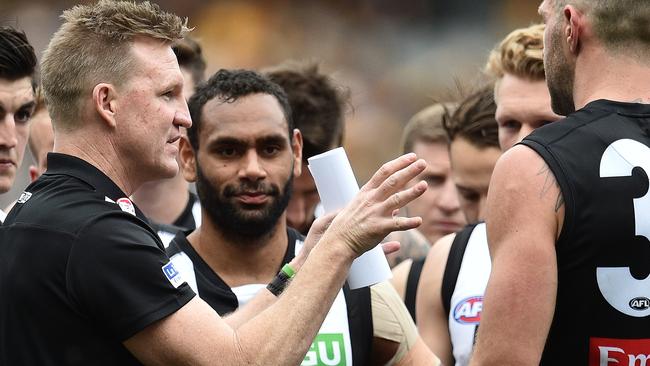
{"x": 92, "y": 46}
{"x": 520, "y": 54}
{"x": 426, "y": 126}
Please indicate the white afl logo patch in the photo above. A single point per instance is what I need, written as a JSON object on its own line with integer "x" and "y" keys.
{"x": 126, "y": 205}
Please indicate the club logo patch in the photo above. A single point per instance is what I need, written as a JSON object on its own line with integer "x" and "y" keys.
{"x": 174, "y": 276}
{"x": 126, "y": 205}
{"x": 24, "y": 197}
{"x": 468, "y": 311}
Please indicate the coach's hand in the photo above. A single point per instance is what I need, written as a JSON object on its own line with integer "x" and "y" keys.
{"x": 365, "y": 221}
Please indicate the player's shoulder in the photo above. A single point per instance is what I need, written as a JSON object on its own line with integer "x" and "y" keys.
{"x": 557, "y": 131}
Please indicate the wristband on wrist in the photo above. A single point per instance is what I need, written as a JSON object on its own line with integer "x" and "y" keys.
{"x": 281, "y": 280}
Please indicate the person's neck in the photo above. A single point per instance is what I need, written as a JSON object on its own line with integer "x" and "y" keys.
{"x": 101, "y": 156}
{"x": 239, "y": 263}
{"x": 164, "y": 200}
{"x": 600, "y": 75}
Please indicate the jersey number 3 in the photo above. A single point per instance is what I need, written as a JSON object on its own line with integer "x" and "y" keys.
{"x": 622, "y": 291}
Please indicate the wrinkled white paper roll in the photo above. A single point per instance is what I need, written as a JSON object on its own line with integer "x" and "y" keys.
{"x": 337, "y": 186}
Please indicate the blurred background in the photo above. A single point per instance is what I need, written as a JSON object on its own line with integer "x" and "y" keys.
{"x": 395, "y": 56}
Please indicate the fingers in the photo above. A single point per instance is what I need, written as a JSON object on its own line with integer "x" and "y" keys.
{"x": 398, "y": 179}
{"x": 406, "y": 223}
{"x": 402, "y": 198}
{"x": 390, "y": 247}
{"x": 389, "y": 169}
{"x": 323, "y": 222}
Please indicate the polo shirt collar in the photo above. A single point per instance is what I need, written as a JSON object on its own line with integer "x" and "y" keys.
{"x": 63, "y": 164}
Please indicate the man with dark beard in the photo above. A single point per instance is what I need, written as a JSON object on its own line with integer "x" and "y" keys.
{"x": 567, "y": 213}
{"x": 243, "y": 154}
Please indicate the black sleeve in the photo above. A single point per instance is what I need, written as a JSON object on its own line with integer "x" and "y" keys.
{"x": 119, "y": 277}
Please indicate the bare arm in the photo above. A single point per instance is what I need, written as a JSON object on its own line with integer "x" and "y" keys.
{"x": 400, "y": 277}
{"x": 282, "y": 334}
{"x": 433, "y": 321}
{"x": 524, "y": 220}
{"x": 419, "y": 355}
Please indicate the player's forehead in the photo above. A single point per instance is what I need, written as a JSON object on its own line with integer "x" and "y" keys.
{"x": 16, "y": 93}
{"x": 520, "y": 99}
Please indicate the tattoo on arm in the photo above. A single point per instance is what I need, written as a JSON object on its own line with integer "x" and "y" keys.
{"x": 550, "y": 181}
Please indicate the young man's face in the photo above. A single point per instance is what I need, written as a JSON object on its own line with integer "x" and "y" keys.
{"x": 472, "y": 169}
{"x": 16, "y": 108}
{"x": 438, "y": 206}
{"x": 522, "y": 106}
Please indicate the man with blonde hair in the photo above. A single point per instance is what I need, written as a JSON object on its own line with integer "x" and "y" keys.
{"x": 568, "y": 218}
{"x": 450, "y": 295}
{"x": 85, "y": 280}
{"x": 168, "y": 203}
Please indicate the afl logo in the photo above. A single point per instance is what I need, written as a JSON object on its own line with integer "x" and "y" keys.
{"x": 468, "y": 311}
{"x": 640, "y": 303}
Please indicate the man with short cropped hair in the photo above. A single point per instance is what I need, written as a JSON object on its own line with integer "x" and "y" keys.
{"x": 567, "y": 212}
{"x": 168, "y": 203}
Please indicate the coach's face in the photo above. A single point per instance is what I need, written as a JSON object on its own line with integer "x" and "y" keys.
{"x": 152, "y": 111}
{"x": 16, "y": 108}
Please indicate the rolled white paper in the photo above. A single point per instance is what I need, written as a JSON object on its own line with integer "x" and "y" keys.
{"x": 337, "y": 186}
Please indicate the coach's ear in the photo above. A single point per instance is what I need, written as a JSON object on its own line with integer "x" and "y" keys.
{"x": 33, "y": 173}
{"x": 105, "y": 103}
{"x": 188, "y": 159}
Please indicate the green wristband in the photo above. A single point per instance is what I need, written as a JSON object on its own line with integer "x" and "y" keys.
{"x": 288, "y": 270}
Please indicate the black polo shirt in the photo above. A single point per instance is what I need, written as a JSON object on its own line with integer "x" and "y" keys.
{"x": 79, "y": 273}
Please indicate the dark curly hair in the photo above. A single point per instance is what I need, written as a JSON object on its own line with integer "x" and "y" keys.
{"x": 228, "y": 86}
{"x": 17, "y": 58}
{"x": 317, "y": 103}
{"x": 474, "y": 119}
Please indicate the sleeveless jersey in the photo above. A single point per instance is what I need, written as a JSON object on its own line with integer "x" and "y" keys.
{"x": 463, "y": 285}
{"x": 345, "y": 338}
{"x": 600, "y": 157}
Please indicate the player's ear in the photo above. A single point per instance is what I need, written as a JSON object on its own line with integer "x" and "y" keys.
{"x": 296, "y": 147}
{"x": 187, "y": 159}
